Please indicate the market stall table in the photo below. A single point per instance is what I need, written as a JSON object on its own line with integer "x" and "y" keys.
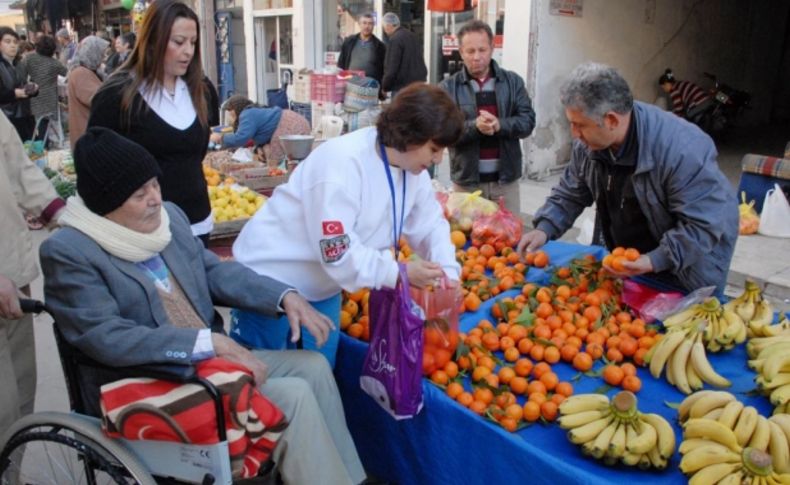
{"x": 447, "y": 443}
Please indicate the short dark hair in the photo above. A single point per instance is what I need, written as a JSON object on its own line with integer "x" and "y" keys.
{"x": 8, "y": 31}
{"x": 667, "y": 77}
{"x": 475, "y": 26}
{"x": 420, "y": 113}
{"x": 129, "y": 38}
{"x": 45, "y": 45}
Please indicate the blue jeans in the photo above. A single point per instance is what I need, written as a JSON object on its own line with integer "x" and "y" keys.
{"x": 258, "y": 331}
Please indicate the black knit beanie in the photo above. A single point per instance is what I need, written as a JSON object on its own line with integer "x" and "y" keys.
{"x": 110, "y": 168}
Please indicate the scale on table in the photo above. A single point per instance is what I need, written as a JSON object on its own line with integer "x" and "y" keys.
{"x": 296, "y": 148}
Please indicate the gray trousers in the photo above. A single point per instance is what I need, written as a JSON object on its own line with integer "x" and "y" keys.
{"x": 18, "y": 375}
{"x": 317, "y": 446}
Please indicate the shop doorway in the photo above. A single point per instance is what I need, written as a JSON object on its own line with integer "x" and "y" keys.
{"x": 273, "y": 52}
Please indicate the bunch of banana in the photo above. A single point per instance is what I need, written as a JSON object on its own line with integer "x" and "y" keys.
{"x": 616, "y": 431}
{"x": 682, "y": 352}
{"x": 756, "y": 311}
{"x": 770, "y": 358}
{"x": 723, "y": 327}
{"x": 712, "y": 453}
{"x": 749, "y": 428}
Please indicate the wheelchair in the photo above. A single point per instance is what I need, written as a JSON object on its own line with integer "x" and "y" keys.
{"x": 55, "y": 447}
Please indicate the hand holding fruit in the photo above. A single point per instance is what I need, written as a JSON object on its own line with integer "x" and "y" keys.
{"x": 216, "y": 138}
{"x": 423, "y": 273}
{"x": 627, "y": 262}
{"x": 532, "y": 241}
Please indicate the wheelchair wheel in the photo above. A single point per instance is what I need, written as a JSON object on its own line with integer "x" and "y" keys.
{"x": 66, "y": 448}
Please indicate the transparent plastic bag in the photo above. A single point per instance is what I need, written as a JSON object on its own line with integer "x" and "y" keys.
{"x": 662, "y": 305}
{"x": 440, "y": 330}
{"x": 749, "y": 221}
{"x": 464, "y": 208}
{"x": 501, "y": 229}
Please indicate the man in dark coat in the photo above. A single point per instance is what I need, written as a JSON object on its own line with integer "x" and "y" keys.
{"x": 404, "y": 63}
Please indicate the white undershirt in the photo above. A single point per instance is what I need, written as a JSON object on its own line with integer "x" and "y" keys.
{"x": 177, "y": 111}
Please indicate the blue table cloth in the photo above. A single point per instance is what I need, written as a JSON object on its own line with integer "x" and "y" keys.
{"x": 447, "y": 443}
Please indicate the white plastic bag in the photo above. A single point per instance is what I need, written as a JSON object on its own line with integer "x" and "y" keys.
{"x": 775, "y": 217}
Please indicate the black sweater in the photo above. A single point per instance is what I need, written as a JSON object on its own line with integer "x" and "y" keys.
{"x": 180, "y": 153}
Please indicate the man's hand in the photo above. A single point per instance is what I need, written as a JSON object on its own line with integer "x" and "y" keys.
{"x": 20, "y": 93}
{"x": 9, "y": 300}
{"x": 300, "y": 312}
{"x": 633, "y": 268}
{"x": 483, "y": 126}
{"x": 490, "y": 120}
{"x": 532, "y": 241}
{"x": 228, "y": 349}
{"x": 216, "y": 138}
{"x": 423, "y": 273}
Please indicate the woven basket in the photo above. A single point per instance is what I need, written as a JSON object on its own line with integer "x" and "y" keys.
{"x": 361, "y": 93}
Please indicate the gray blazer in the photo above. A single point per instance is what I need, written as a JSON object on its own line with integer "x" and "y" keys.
{"x": 110, "y": 310}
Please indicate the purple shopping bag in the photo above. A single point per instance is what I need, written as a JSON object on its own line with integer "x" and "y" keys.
{"x": 392, "y": 372}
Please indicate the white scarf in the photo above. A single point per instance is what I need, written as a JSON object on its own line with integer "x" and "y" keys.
{"x": 116, "y": 239}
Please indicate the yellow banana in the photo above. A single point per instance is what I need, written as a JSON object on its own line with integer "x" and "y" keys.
{"x": 713, "y": 473}
{"x": 747, "y": 422}
{"x": 763, "y": 314}
{"x": 679, "y": 360}
{"x": 779, "y": 448}
{"x": 630, "y": 459}
{"x": 666, "y": 346}
{"x": 666, "y": 435}
{"x": 685, "y": 405}
{"x": 783, "y": 420}
{"x": 761, "y": 435}
{"x": 695, "y": 382}
{"x": 715, "y": 414}
{"x": 658, "y": 461}
{"x": 712, "y": 430}
{"x": 732, "y": 479}
{"x": 617, "y": 444}
{"x": 601, "y": 442}
{"x": 774, "y": 364}
{"x": 734, "y": 324}
{"x": 589, "y": 431}
{"x": 704, "y": 369}
{"x": 730, "y": 413}
{"x": 646, "y": 439}
{"x": 583, "y": 402}
{"x": 780, "y": 380}
{"x": 710, "y": 401}
{"x": 575, "y": 420}
{"x": 780, "y": 395}
{"x": 681, "y": 318}
{"x": 689, "y": 444}
{"x": 745, "y": 310}
{"x": 783, "y": 478}
{"x": 704, "y": 456}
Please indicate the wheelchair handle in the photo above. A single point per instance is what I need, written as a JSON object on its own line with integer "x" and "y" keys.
{"x": 32, "y": 306}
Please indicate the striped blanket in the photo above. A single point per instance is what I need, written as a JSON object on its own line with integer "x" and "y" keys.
{"x": 768, "y": 166}
{"x": 153, "y": 409}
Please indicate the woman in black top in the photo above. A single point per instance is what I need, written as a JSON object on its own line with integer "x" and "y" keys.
{"x": 158, "y": 99}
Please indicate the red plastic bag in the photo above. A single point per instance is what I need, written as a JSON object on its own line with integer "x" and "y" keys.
{"x": 391, "y": 371}
{"x": 501, "y": 229}
{"x": 440, "y": 332}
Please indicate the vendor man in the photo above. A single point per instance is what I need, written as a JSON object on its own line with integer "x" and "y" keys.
{"x": 654, "y": 179}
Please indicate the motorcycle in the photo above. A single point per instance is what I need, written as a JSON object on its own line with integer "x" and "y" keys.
{"x": 724, "y": 107}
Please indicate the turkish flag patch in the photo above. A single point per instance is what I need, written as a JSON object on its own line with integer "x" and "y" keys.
{"x": 332, "y": 228}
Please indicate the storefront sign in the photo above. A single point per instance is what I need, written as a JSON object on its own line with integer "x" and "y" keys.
{"x": 566, "y": 8}
{"x": 110, "y": 4}
{"x": 449, "y": 44}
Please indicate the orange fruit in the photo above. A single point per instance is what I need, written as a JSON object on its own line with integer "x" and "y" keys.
{"x": 512, "y": 354}
{"x": 480, "y": 373}
{"x": 541, "y": 259}
{"x": 483, "y": 394}
{"x": 540, "y": 369}
{"x": 514, "y": 411}
{"x": 524, "y": 346}
{"x": 551, "y": 355}
{"x": 631, "y": 254}
{"x": 565, "y": 388}
{"x": 550, "y": 380}
{"x": 428, "y": 364}
{"x": 613, "y": 375}
{"x": 632, "y": 383}
{"x": 478, "y": 407}
{"x": 536, "y": 386}
{"x": 628, "y": 369}
{"x": 549, "y": 410}
{"x": 614, "y": 355}
{"x": 451, "y": 368}
{"x": 351, "y": 308}
{"x": 506, "y": 374}
{"x": 531, "y": 411}
{"x": 509, "y": 423}
{"x": 518, "y": 385}
{"x": 582, "y": 362}
{"x": 465, "y": 399}
{"x": 454, "y": 389}
{"x": 568, "y": 352}
{"x": 440, "y": 377}
{"x": 523, "y": 367}
{"x": 355, "y": 330}
{"x": 458, "y": 239}
{"x": 618, "y": 251}
{"x": 345, "y": 319}
{"x": 537, "y": 397}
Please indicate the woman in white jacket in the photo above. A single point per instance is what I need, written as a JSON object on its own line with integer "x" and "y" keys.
{"x": 332, "y": 227}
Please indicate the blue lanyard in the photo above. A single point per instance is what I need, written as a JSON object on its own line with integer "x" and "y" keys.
{"x": 396, "y": 231}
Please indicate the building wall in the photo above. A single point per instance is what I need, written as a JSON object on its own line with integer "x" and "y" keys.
{"x": 12, "y": 19}
{"x": 741, "y": 42}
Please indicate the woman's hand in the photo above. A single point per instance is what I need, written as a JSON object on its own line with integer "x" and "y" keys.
{"x": 216, "y": 138}
{"x": 423, "y": 273}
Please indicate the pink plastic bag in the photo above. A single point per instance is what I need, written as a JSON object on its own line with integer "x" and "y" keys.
{"x": 392, "y": 371}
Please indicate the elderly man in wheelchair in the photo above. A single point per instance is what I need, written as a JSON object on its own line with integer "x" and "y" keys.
{"x": 128, "y": 284}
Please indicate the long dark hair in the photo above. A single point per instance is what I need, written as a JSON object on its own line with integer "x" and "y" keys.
{"x": 237, "y": 103}
{"x": 146, "y": 62}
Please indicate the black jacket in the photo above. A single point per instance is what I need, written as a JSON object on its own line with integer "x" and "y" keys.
{"x": 9, "y": 81}
{"x": 348, "y": 46}
{"x": 516, "y": 120}
{"x": 404, "y": 63}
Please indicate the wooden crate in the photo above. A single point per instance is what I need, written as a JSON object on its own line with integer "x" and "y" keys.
{"x": 227, "y": 228}
{"x": 258, "y": 178}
